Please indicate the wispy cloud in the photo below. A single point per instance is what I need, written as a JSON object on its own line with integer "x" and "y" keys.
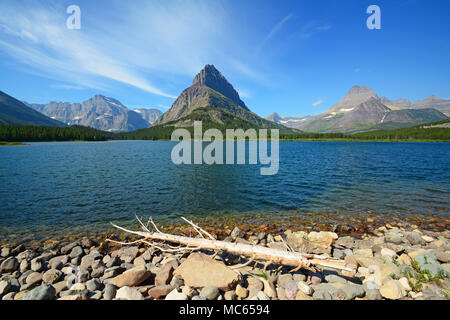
{"x": 357, "y": 70}
{"x": 275, "y": 29}
{"x": 312, "y": 28}
{"x": 66, "y": 87}
{"x": 37, "y": 36}
{"x": 324, "y": 28}
{"x": 146, "y": 46}
{"x": 317, "y": 103}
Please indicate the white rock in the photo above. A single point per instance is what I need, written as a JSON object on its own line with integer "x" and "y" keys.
{"x": 427, "y": 238}
{"x": 78, "y": 286}
{"x": 416, "y": 295}
{"x": 262, "y": 296}
{"x": 393, "y": 290}
{"x": 372, "y": 285}
{"x": 127, "y": 293}
{"x": 388, "y": 252}
{"x": 405, "y": 283}
{"x": 305, "y": 288}
{"x": 363, "y": 252}
{"x": 363, "y": 270}
{"x": 175, "y": 295}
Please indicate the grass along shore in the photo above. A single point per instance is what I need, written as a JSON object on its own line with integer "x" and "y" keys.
{"x": 3, "y": 143}
{"x": 394, "y": 263}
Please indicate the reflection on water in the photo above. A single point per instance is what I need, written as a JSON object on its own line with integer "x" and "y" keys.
{"x": 51, "y": 188}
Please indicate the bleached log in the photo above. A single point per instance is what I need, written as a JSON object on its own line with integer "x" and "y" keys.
{"x": 255, "y": 252}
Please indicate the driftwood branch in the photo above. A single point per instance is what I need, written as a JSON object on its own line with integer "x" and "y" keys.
{"x": 290, "y": 258}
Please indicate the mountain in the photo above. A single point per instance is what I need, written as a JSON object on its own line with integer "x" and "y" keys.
{"x": 435, "y": 103}
{"x": 396, "y": 104}
{"x": 362, "y": 110}
{"x": 290, "y": 122}
{"x": 432, "y": 102}
{"x": 15, "y": 112}
{"x": 354, "y": 97}
{"x": 212, "y": 99}
{"x": 149, "y": 115}
{"x": 99, "y": 112}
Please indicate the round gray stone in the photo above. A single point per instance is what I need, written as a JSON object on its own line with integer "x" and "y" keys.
{"x": 210, "y": 293}
{"x": 43, "y": 292}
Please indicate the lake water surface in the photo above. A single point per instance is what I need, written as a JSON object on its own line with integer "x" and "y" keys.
{"x": 47, "y": 189}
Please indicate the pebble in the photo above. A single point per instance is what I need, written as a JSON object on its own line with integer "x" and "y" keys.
{"x": 127, "y": 293}
{"x": 230, "y": 295}
{"x": 262, "y": 296}
{"x": 164, "y": 275}
{"x": 51, "y": 276}
{"x": 291, "y": 289}
{"x": 175, "y": 295}
{"x": 10, "y": 264}
{"x": 4, "y": 287}
{"x": 210, "y": 292}
{"x": 335, "y": 279}
{"x": 351, "y": 291}
{"x": 241, "y": 292}
{"x": 94, "y": 285}
{"x": 37, "y": 274}
{"x": 282, "y": 279}
{"x": 393, "y": 290}
{"x": 109, "y": 292}
{"x": 373, "y": 294}
{"x": 305, "y": 288}
{"x": 189, "y": 291}
{"x": 159, "y": 292}
{"x": 43, "y": 292}
{"x": 34, "y": 278}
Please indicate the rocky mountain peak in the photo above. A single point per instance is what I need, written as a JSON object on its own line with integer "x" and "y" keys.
{"x": 210, "y": 77}
{"x": 275, "y": 117}
{"x": 355, "y": 96}
{"x": 361, "y": 92}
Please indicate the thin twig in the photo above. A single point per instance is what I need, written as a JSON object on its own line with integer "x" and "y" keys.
{"x": 197, "y": 227}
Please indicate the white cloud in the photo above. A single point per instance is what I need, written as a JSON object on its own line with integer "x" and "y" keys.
{"x": 317, "y": 103}
{"x": 38, "y": 38}
{"x": 324, "y": 28}
{"x": 138, "y": 45}
{"x": 275, "y": 29}
{"x": 66, "y": 87}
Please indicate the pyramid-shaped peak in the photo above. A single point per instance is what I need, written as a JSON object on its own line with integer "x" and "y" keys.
{"x": 357, "y": 90}
{"x": 207, "y": 74}
{"x": 210, "y": 77}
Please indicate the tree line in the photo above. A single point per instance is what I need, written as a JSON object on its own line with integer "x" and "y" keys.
{"x": 12, "y": 133}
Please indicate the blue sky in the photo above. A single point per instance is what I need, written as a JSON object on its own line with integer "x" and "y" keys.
{"x": 291, "y": 57}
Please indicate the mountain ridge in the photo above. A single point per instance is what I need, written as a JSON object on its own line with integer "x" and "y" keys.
{"x": 15, "y": 112}
{"x": 99, "y": 112}
{"x": 362, "y": 110}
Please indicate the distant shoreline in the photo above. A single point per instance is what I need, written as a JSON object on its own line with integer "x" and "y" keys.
{"x": 5, "y": 144}
{"x": 18, "y": 143}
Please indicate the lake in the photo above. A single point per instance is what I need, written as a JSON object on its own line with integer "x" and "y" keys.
{"x": 52, "y": 189}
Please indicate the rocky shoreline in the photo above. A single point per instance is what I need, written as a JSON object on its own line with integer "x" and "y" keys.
{"x": 392, "y": 263}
